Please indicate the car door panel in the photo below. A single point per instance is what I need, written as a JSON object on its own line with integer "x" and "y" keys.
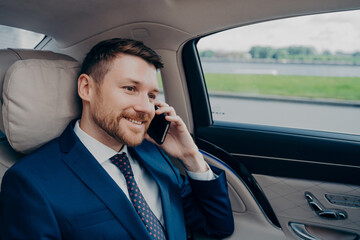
{"x": 288, "y": 152}
{"x": 269, "y": 160}
{"x": 250, "y": 221}
{"x": 284, "y": 181}
{"x": 286, "y": 196}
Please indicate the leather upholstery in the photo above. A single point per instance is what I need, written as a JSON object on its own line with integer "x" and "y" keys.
{"x": 38, "y": 98}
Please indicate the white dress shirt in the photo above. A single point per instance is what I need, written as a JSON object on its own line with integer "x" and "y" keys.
{"x": 145, "y": 181}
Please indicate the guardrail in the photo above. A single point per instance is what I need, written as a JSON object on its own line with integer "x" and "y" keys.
{"x": 300, "y": 100}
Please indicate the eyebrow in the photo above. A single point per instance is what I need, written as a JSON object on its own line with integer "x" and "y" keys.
{"x": 156, "y": 90}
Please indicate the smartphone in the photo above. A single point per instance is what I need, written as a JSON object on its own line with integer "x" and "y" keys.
{"x": 158, "y": 128}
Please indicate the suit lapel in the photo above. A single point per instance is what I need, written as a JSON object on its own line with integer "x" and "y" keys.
{"x": 90, "y": 172}
{"x": 158, "y": 167}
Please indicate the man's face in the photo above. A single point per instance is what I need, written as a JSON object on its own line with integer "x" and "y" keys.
{"x": 123, "y": 103}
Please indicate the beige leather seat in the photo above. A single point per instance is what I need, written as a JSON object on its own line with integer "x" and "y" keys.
{"x": 38, "y": 92}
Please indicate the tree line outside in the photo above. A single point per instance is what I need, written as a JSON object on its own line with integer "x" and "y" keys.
{"x": 317, "y": 87}
{"x": 286, "y": 54}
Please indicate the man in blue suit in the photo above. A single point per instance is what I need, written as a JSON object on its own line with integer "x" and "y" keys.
{"x": 105, "y": 177}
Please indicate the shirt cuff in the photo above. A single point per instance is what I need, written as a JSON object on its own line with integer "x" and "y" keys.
{"x": 202, "y": 176}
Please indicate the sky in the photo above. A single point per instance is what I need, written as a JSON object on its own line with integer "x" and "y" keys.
{"x": 331, "y": 31}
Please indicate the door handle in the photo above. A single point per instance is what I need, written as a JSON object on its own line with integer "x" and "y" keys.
{"x": 300, "y": 230}
{"x": 309, "y": 232}
{"x": 321, "y": 211}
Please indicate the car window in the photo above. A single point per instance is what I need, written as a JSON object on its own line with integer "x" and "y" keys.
{"x": 161, "y": 96}
{"x": 301, "y": 72}
{"x": 11, "y": 37}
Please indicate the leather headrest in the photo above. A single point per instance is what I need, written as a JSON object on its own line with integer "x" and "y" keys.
{"x": 39, "y": 98}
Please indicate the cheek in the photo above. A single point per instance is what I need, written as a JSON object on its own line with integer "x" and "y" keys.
{"x": 121, "y": 100}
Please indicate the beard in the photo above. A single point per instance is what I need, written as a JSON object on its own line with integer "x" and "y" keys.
{"x": 111, "y": 124}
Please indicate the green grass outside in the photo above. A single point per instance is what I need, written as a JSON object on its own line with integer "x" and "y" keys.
{"x": 159, "y": 80}
{"x": 344, "y": 88}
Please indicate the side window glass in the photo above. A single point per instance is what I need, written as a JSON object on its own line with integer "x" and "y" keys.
{"x": 18, "y": 38}
{"x": 161, "y": 96}
{"x": 301, "y": 72}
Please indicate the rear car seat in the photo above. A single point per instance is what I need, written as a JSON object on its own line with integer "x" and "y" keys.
{"x": 38, "y": 94}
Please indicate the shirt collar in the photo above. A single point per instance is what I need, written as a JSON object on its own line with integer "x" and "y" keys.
{"x": 100, "y": 151}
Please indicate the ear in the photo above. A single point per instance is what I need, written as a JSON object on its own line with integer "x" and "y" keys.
{"x": 85, "y": 87}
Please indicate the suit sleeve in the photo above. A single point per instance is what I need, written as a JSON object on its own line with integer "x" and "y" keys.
{"x": 24, "y": 211}
{"x": 207, "y": 206}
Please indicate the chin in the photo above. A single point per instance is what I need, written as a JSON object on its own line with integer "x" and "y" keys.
{"x": 133, "y": 141}
{"x": 133, "y": 144}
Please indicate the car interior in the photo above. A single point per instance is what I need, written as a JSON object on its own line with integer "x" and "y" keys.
{"x": 283, "y": 183}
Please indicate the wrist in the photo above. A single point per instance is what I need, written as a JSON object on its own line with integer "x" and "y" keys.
{"x": 194, "y": 162}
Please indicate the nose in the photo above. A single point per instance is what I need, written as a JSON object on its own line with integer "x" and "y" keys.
{"x": 143, "y": 104}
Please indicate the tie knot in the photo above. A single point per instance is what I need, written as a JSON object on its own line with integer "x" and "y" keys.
{"x": 122, "y": 162}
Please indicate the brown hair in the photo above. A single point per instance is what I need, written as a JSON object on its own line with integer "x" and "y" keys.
{"x": 98, "y": 61}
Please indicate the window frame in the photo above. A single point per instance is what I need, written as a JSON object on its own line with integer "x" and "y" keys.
{"x": 213, "y": 120}
{"x": 252, "y": 135}
{"x": 201, "y": 108}
{"x": 249, "y": 149}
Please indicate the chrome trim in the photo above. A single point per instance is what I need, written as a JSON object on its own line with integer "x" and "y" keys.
{"x": 321, "y": 211}
{"x": 294, "y": 160}
{"x": 300, "y": 231}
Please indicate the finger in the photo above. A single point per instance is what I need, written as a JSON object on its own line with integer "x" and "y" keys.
{"x": 164, "y": 108}
{"x": 175, "y": 119}
{"x": 160, "y": 103}
{"x": 169, "y": 111}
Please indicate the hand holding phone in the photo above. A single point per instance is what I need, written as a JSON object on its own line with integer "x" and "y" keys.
{"x": 158, "y": 128}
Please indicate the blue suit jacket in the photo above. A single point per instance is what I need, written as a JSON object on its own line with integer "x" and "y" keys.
{"x": 62, "y": 192}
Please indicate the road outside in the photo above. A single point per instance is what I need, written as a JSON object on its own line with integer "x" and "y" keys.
{"x": 313, "y": 116}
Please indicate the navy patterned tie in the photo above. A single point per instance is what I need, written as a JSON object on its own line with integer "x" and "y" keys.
{"x": 152, "y": 224}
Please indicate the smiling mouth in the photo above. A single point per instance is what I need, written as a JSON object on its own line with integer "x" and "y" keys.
{"x": 134, "y": 121}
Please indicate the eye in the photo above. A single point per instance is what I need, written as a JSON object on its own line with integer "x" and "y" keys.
{"x": 129, "y": 88}
{"x": 152, "y": 96}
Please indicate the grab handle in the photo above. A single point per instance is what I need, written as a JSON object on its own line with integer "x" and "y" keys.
{"x": 301, "y": 231}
